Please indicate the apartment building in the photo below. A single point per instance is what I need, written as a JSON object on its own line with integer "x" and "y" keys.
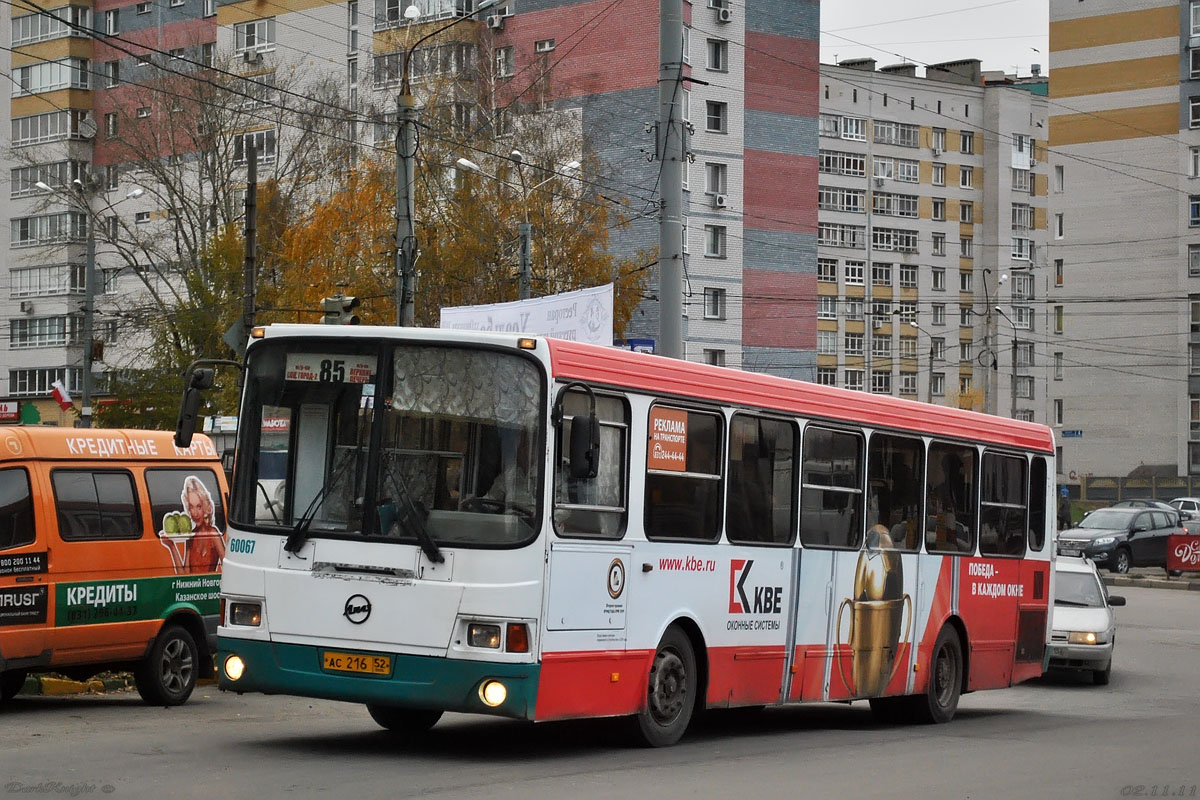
{"x": 70, "y": 66}
{"x": 1125, "y": 302}
{"x": 751, "y": 100}
{"x": 932, "y": 260}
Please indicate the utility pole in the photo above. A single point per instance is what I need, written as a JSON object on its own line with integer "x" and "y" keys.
{"x": 524, "y": 276}
{"x": 249, "y": 265}
{"x": 406, "y": 171}
{"x": 671, "y": 149}
{"x": 89, "y": 311}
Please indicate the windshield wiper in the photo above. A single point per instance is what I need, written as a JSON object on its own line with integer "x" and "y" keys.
{"x": 410, "y": 516}
{"x": 299, "y": 534}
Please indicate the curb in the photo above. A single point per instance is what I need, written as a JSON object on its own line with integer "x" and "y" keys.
{"x": 50, "y": 685}
{"x": 1181, "y": 584}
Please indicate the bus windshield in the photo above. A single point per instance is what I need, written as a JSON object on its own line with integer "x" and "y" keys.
{"x": 363, "y": 439}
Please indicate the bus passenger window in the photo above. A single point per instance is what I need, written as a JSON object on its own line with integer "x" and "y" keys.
{"x": 1037, "y": 503}
{"x": 683, "y": 475}
{"x": 762, "y": 494}
{"x": 1002, "y": 506}
{"x": 894, "y": 465}
{"x": 16, "y": 509}
{"x": 950, "y": 499}
{"x": 831, "y": 495}
{"x": 593, "y": 507}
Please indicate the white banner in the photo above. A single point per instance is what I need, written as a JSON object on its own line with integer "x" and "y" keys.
{"x": 582, "y": 316}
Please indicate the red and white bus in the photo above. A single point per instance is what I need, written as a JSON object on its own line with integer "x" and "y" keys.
{"x": 545, "y": 530}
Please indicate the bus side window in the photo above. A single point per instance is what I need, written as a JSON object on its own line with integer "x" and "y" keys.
{"x": 1002, "y": 506}
{"x": 16, "y": 509}
{"x": 1038, "y": 475}
{"x": 951, "y": 499}
{"x": 762, "y": 494}
{"x": 894, "y": 466}
{"x": 683, "y": 475}
{"x": 831, "y": 495}
{"x": 593, "y": 507}
{"x": 96, "y": 505}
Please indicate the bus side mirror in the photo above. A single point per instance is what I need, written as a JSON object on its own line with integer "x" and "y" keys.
{"x": 585, "y": 447}
{"x": 185, "y": 426}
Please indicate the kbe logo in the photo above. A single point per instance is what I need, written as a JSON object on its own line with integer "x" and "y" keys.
{"x": 767, "y": 599}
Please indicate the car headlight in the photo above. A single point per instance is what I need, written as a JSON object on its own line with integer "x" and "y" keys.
{"x": 1084, "y": 637}
{"x": 1104, "y": 540}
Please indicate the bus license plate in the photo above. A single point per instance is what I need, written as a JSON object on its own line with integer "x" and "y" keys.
{"x": 356, "y": 662}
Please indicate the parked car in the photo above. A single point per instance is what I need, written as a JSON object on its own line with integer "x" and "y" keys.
{"x": 1122, "y": 537}
{"x": 1147, "y": 503}
{"x": 1083, "y": 627}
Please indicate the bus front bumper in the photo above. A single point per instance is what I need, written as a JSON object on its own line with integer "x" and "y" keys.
{"x": 424, "y": 682}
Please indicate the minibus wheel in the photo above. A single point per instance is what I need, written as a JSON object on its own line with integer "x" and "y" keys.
{"x": 167, "y": 676}
{"x": 11, "y": 683}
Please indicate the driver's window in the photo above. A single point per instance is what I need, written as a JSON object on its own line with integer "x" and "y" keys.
{"x": 593, "y": 507}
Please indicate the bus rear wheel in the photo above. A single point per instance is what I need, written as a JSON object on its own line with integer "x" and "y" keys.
{"x": 940, "y": 701}
{"x": 11, "y": 683}
{"x": 167, "y": 676}
{"x": 404, "y": 721}
{"x": 670, "y": 693}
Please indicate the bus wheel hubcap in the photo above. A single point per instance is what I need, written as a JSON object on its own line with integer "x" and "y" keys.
{"x": 668, "y": 687}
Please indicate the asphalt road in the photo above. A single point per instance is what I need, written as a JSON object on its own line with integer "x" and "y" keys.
{"x": 1055, "y": 737}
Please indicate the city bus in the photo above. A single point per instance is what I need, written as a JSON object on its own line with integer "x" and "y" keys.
{"x": 544, "y": 530}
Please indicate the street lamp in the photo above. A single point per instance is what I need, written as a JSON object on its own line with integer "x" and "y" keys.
{"x": 524, "y": 275}
{"x": 406, "y": 173}
{"x": 89, "y": 287}
{"x": 1013, "y": 406}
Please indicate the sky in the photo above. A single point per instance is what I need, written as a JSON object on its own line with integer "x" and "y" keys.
{"x": 1007, "y": 35}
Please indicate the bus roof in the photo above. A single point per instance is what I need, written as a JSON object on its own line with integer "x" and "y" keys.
{"x": 618, "y": 367}
{"x": 20, "y": 443}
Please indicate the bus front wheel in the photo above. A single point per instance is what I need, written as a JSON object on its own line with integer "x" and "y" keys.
{"x": 670, "y": 693}
{"x": 404, "y": 721}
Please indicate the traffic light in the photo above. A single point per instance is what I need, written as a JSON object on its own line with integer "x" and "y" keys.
{"x": 339, "y": 310}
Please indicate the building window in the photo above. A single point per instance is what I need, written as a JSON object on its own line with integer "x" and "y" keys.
{"x": 1058, "y": 365}
{"x": 827, "y": 376}
{"x": 964, "y": 385}
{"x": 966, "y": 178}
{"x": 112, "y": 22}
{"x": 208, "y": 53}
{"x": 34, "y": 382}
{"x": 1023, "y": 318}
{"x": 908, "y": 347}
{"x": 939, "y": 279}
{"x": 143, "y": 8}
{"x": 908, "y": 383}
{"x": 939, "y": 175}
{"x": 1020, "y": 180}
{"x": 112, "y": 74}
{"x": 110, "y": 124}
{"x": 826, "y": 343}
{"x": 256, "y": 36}
{"x": 1025, "y": 354}
{"x": 1022, "y": 217}
{"x": 717, "y": 117}
{"x": 937, "y": 384}
{"x": 827, "y": 270}
{"x": 1022, "y": 286}
{"x": 143, "y": 112}
{"x": 966, "y": 246}
{"x": 937, "y": 140}
{"x": 1194, "y": 112}
{"x": 264, "y": 143}
{"x": 718, "y": 55}
{"x": 714, "y": 241}
{"x": 854, "y": 128}
{"x": 908, "y": 276}
{"x": 141, "y": 217}
{"x": 56, "y": 23}
{"x": 1060, "y": 224}
{"x": 964, "y": 316}
{"x": 1025, "y": 387}
{"x": 966, "y": 142}
{"x": 1193, "y": 211}
{"x": 854, "y": 379}
{"x": 1058, "y": 319}
{"x": 1060, "y": 176}
{"x": 966, "y": 281}
{"x": 716, "y": 178}
{"x": 881, "y": 346}
{"x": 881, "y": 382}
{"x": 938, "y": 313}
{"x": 853, "y": 344}
{"x": 1022, "y": 249}
{"x": 966, "y": 212}
{"x": 1058, "y": 269}
{"x": 854, "y": 308}
{"x": 939, "y": 209}
{"x": 826, "y": 308}
{"x": 210, "y": 8}
{"x": 881, "y": 274}
{"x": 964, "y": 351}
{"x": 939, "y": 244}
{"x": 714, "y": 357}
{"x": 46, "y": 76}
{"x": 937, "y": 348}
{"x": 855, "y": 273}
{"x": 906, "y": 310}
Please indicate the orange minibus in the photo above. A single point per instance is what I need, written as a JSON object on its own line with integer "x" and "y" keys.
{"x": 111, "y": 542}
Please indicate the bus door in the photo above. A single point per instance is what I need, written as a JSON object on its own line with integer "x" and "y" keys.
{"x": 24, "y": 574}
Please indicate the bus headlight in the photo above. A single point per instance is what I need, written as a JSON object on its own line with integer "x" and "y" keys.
{"x": 248, "y": 614}
{"x": 492, "y": 693}
{"x": 481, "y": 635}
{"x": 234, "y": 668}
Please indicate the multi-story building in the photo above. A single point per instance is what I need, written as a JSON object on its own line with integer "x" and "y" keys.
{"x": 750, "y": 232}
{"x": 932, "y": 236}
{"x": 70, "y": 66}
{"x": 1125, "y": 200}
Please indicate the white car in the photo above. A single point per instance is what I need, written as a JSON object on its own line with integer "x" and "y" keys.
{"x": 1083, "y": 628}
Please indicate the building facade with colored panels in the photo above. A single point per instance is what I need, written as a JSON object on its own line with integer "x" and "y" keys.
{"x": 1125, "y": 139}
{"x": 932, "y": 240}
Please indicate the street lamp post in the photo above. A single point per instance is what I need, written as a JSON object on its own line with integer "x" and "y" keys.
{"x": 1013, "y": 383}
{"x": 524, "y": 275}
{"x": 89, "y": 288}
{"x": 406, "y": 173}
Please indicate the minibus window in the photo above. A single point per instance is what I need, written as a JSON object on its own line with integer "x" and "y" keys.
{"x": 16, "y": 509}
{"x": 95, "y": 505}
